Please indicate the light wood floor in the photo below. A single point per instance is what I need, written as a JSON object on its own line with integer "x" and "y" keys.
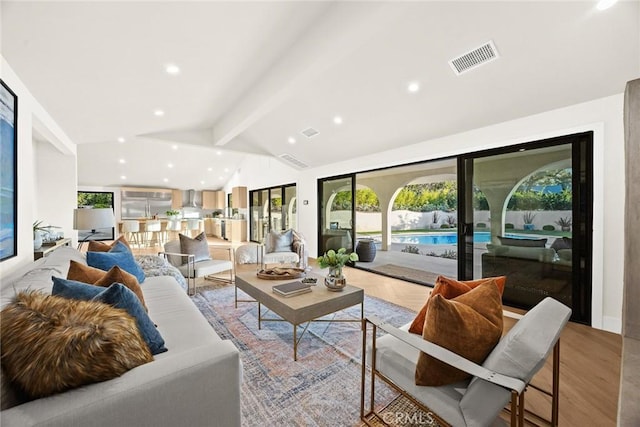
{"x": 589, "y": 358}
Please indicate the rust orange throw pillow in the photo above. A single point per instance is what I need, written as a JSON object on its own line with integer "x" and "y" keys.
{"x": 95, "y": 276}
{"x": 95, "y": 246}
{"x": 451, "y": 288}
{"x": 469, "y": 325}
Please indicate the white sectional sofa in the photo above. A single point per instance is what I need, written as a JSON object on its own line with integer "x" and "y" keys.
{"x": 195, "y": 383}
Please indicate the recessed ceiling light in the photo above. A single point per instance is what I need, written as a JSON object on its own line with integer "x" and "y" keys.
{"x": 121, "y": 139}
{"x": 170, "y": 165}
{"x": 122, "y": 161}
{"x": 174, "y": 146}
{"x": 337, "y": 120}
{"x": 209, "y": 169}
{"x": 605, "y": 4}
{"x": 413, "y": 87}
{"x": 172, "y": 69}
{"x": 291, "y": 140}
{"x": 166, "y": 179}
{"x": 226, "y": 169}
{"x": 219, "y": 153}
{"x": 202, "y": 182}
{"x": 220, "y": 178}
{"x": 158, "y": 113}
{"x": 123, "y": 177}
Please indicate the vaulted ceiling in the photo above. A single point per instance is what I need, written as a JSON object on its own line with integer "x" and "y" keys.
{"x": 253, "y": 75}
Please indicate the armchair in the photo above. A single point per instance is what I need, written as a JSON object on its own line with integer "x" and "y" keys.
{"x": 288, "y": 246}
{"x": 193, "y": 259}
{"x": 505, "y": 373}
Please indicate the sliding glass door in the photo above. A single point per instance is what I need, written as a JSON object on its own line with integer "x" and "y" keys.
{"x": 335, "y": 213}
{"x": 272, "y": 208}
{"x": 527, "y": 216}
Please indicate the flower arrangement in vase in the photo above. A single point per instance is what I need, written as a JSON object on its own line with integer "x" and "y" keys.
{"x": 335, "y": 260}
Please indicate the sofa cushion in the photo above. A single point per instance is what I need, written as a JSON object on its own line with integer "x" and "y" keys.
{"x": 119, "y": 255}
{"x": 95, "y": 276}
{"x": 564, "y": 243}
{"x": 450, "y": 288}
{"x": 96, "y": 246}
{"x": 118, "y": 296}
{"x": 469, "y": 325}
{"x": 529, "y": 243}
{"x": 51, "y": 344}
{"x": 198, "y": 246}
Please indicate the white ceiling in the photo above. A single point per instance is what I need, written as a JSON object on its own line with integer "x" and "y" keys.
{"x": 254, "y": 74}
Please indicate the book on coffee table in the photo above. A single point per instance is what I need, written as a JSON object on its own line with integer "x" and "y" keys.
{"x": 292, "y": 288}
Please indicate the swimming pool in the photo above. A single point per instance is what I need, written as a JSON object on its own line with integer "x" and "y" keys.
{"x": 439, "y": 238}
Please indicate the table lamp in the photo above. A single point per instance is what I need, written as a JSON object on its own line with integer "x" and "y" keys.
{"x": 92, "y": 219}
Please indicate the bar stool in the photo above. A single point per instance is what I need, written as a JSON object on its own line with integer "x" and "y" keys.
{"x": 153, "y": 230}
{"x": 131, "y": 231}
{"x": 174, "y": 226}
{"x": 193, "y": 227}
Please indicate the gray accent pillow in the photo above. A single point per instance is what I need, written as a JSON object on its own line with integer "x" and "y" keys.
{"x": 529, "y": 243}
{"x": 281, "y": 242}
{"x": 197, "y": 246}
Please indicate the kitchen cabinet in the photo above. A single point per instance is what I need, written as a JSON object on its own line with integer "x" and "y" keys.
{"x": 208, "y": 226}
{"x": 209, "y": 200}
{"x": 212, "y": 199}
{"x": 236, "y": 230}
{"x": 176, "y": 199}
{"x": 239, "y": 197}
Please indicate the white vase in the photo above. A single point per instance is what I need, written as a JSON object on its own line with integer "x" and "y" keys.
{"x": 335, "y": 281}
{"x": 37, "y": 240}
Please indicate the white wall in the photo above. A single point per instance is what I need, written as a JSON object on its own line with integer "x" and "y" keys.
{"x": 602, "y": 116}
{"x": 38, "y": 199}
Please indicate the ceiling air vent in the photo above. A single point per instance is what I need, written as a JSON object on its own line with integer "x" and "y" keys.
{"x": 474, "y": 58}
{"x": 293, "y": 161}
{"x": 310, "y": 132}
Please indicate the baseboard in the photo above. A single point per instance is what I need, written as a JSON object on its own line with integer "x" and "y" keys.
{"x": 612, "y": 324}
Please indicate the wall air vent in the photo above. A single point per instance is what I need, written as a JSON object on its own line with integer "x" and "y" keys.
{"x": 293, "y": 161}
{"x": 310, "y": 132}
{"x": 474, "y": 58}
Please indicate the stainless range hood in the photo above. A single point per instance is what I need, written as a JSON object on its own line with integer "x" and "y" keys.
{"x": 192, "y": 199}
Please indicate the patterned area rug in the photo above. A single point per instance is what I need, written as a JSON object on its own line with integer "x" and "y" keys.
{"x": 323, "y": 387}
{"x": 411, "y": 274}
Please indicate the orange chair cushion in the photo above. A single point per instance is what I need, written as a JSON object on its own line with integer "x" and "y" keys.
{"x": 451, "y": 288}
{"x": 469, "y": 325}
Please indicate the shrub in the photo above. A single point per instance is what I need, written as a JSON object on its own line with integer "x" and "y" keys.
{"x": 451, "y": 220}
{"x": 481, "y": 225}
{"x": 411, "y": 249}
{"x": 509, "y": 226}
{"x": 548, "y": 227}
{"x": 444, "y": 226}
{"x": 449, "y": 254}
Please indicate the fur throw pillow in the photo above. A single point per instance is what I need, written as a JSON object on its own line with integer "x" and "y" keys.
{"x": 51, "y": 344}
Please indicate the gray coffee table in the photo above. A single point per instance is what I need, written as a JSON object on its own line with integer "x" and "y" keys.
{"x": 298, "y": 309}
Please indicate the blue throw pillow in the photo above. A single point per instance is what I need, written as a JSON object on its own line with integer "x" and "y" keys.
{"x": 119, "y": 255}
{"x": 118, "y": 296}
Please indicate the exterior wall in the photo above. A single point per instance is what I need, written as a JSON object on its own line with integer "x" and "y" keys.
{"x": 602, "y": 116}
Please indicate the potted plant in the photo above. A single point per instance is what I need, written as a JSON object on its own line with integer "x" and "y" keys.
{"x": 528, "y": 217}
{"x": 564, "y": 223}
{"x": 335, "y": 260}
{"x": 172, "y": 214}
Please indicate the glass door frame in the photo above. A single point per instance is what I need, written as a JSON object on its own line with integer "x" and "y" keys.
{"x": 283, "y": 193}
{"x": 321, "y": 207}
{"x": 582, "y": 214}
